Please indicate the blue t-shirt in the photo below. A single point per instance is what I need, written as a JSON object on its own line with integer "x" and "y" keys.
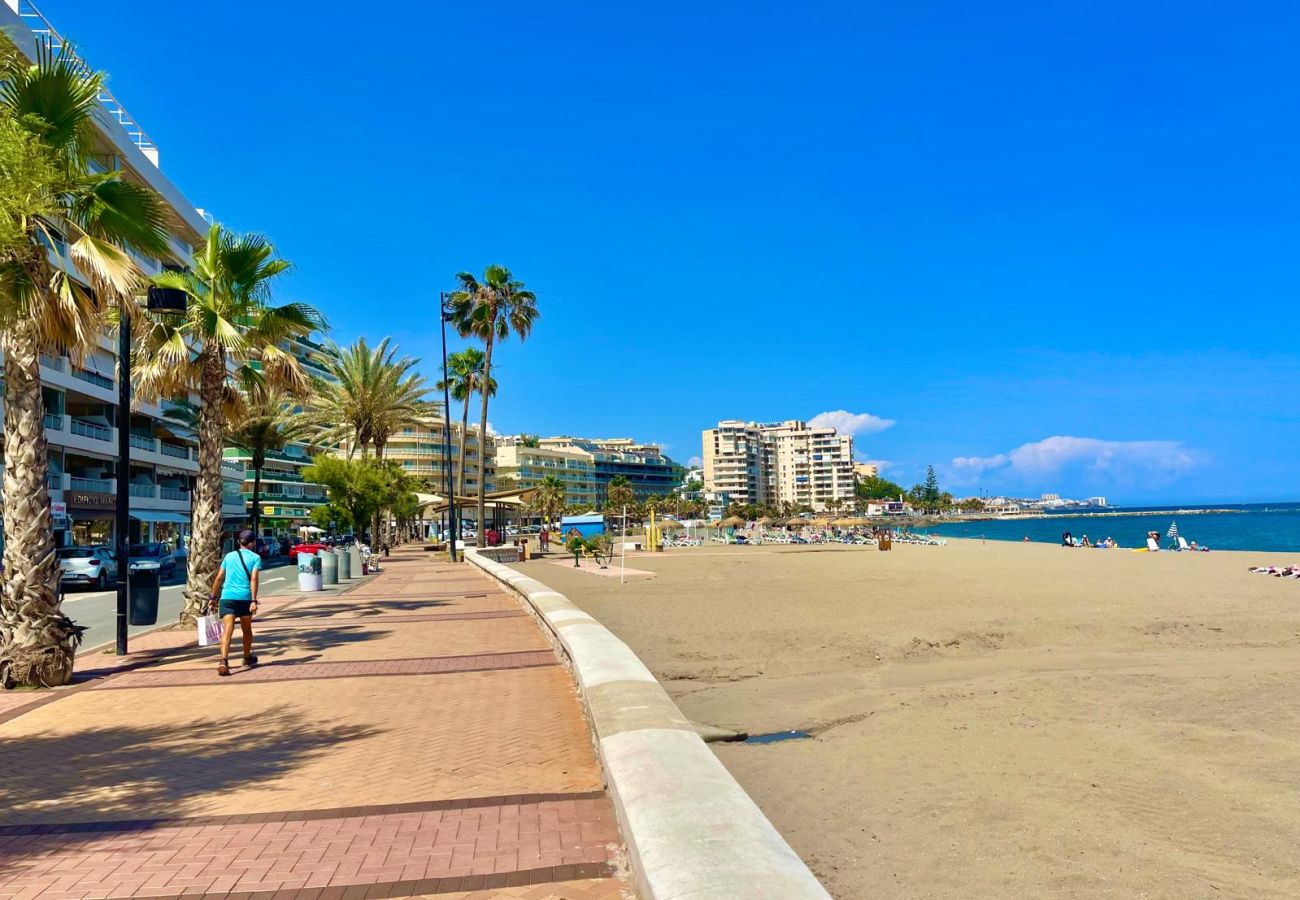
{"x": 236, "y": 586}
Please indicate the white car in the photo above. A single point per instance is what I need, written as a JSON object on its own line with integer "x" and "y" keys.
{"x": 87, "y": 567}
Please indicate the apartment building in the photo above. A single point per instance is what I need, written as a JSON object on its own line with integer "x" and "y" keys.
{"x": 737, "y": 462}
{"x": 527, "y": 466}
{"x": 863, "y": 470}
{"x": 421, "y": 451}
{"x": 82, "y": 418}
{"x": 646, "y": 468}
{"x": 779, "y": 463}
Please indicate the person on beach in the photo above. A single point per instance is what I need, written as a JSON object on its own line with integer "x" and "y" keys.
{"x": 236, "y": 586}
{"x": 544, "y": 538}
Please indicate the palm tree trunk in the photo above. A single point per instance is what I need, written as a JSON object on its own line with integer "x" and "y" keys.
{"x": 464, "y": 430}
{"x": 37, "y": 641}
{"x": 381, "y": 520}
{"x": 256, "y": 518}
{"x": 205, "y": 521}
{"x": 483, "y": 438}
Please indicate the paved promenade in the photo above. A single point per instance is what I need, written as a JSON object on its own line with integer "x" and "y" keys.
{"x": 413, "y": 736}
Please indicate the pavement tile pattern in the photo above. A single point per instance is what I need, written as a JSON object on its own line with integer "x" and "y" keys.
{"x": 448, "y": 759}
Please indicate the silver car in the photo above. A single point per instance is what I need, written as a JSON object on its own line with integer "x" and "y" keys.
{"x": 152, "y": 556}
{"x": 87, "y": 567}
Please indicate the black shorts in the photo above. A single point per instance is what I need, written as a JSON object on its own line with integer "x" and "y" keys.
{"x": 237, "y": 608}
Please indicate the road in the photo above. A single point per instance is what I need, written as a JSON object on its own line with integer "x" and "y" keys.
{"x": 97, "y": 610}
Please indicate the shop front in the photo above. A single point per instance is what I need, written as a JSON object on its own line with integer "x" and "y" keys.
{"x": 88, "y": 517}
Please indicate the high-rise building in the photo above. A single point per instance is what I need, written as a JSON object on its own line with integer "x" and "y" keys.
{"x": 421, "y": 451}
{"x": 82, "y": 417}
{"x": 865, "y": 470}
{"x": 779, "y": 463}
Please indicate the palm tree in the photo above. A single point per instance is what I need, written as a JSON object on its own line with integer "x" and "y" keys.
{"x": 465, "y": 379}
{"x": 369, "y": 394}
{"x": 550, "y": 496}
{"x": 491, "y": 310}
{"x": 266, "y": 423}
{"x": 619, "y": 494}
{"x": 57, "y": 213}
{"x": 231, "y": 342}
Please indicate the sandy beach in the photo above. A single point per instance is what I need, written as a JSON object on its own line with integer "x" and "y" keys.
{"x": 991, "y": 720}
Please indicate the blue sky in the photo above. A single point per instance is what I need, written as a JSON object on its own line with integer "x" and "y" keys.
{"x": 1053, "y": 244}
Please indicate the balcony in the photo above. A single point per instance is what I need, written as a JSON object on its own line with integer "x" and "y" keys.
{"x": 148, "y": 491}
{"x": 97, "y": 485}
{"x": 92, "y": 430}
{"x": 144, "y": 442}
{"x": 92, "y": 377}
{"x": 172, "y": 493}
{"x": 54, "y": 363}
{"x": 173, "y": 450}
{"x": 53, "y": 422}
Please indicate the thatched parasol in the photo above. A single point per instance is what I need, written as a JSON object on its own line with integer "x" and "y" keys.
{"x": 670, "y": 524}
{"x": 820, "y": 522}
{"x": 767, "y": 520}
{"x": 850, "y": 522}
{"x": 731, "y": 522}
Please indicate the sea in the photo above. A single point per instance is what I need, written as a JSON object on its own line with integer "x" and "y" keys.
{"x": 1267, "y": 527}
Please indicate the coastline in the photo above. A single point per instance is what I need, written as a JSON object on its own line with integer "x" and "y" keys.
{"x": 989, "y": 719}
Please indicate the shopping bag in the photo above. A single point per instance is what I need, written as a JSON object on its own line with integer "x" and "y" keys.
{"x": 209, "y": 631}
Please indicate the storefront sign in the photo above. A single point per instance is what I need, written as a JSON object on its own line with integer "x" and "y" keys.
{"x": 91, "y": 500}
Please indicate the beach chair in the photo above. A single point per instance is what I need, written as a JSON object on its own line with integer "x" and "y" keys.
{"x": 1182, "y": 543}
{"x": 1153, "y": 545}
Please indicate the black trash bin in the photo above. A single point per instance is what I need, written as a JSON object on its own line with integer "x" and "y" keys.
{"x": 143, "y": 589}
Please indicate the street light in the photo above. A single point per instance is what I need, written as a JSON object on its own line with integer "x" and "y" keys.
{"x": 446, "y": 428}
{"x": 160, "y": 300}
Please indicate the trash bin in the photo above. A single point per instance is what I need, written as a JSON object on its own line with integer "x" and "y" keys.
{"x": 142, "y": 588}
{"x": 345, "y": 564}
{"x": 355, "y": 553}
{"x": 329, "y": 567}
{"x": 308, "y": 572}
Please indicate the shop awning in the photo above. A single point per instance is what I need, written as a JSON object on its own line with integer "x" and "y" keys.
{"x": 150, "y": 515}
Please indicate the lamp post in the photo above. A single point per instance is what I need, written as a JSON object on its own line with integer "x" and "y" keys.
{"x": 161, "y": 300}
{"x": 446, "y": 429}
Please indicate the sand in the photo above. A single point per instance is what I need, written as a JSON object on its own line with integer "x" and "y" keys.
{"x": 991, "y": 720}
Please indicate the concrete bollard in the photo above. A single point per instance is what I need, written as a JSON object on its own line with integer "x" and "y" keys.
{"x": 355, "y": 552}
{"x": 345, "y": 564}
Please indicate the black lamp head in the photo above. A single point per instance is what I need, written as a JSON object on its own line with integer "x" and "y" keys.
{"x": 165, "y": 300}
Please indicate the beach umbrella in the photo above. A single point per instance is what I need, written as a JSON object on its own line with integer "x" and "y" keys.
{"x": 670, "y": 524}
{"x": 795, "y": 522}
{"x": 767, "y": 520}
{"x": 1173, "y": 530}
{"x": 849, "y": 522}
{"x": 820, "y": 522}
{"x": 731, "y": 522}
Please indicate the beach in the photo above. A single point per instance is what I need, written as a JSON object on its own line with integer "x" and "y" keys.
{"x": 990, "y": 719}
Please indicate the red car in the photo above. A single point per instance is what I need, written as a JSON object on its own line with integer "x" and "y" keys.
{"x": 304, "y": 547}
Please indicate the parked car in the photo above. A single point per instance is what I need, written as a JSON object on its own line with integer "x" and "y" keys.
{"x": 87, "y": 567}
{"x": 145, "y": 557}
{"x": 303, "y": 547}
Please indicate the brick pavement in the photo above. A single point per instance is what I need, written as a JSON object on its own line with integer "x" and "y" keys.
{"x": 413, "y": 737}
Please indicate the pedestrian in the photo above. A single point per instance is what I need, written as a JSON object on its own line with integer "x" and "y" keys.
{"x": 544, "y": 538}
{"x": 385, "y": 549}
{"x": 236, "y": 586}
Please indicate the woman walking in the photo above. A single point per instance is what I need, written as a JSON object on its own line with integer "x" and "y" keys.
{"x": 236, "y": 585}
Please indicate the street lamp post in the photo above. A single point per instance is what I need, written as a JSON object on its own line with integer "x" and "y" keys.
{"x": 446, "y": 429}
{"x": 162, "y": 300}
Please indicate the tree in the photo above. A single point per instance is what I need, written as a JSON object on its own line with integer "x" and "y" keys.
{"x": 549, "y": 497}
{"x": 464, "y": 380}
{"x": 877, "y": 488}
{"x": 619, "y": 494}
{"x": 368, "y": 395}
{"x": 359, "y": 487}
{"x": 528, "y": 440}
{"x": 930, "y": 494}
{"x": 58, "y": 217}
{"x": 491, "y": 310}
{"x": 266, "y": 423}
{"x": 229, "y": 344}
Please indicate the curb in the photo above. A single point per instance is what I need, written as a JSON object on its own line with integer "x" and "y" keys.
{"x": 691, "y": 830}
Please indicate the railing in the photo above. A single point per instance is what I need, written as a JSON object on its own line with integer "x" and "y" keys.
{"x": 175, "y": 450}
{"x": 142, "y": 442}
{"x": 54, "y": 481}
{"x": 233, "y": 467}
{"x": 92, "y": 377}
{"x": 52, "y": 362}
{"x": 276, "y": 475}
{"x": 41, "y": 26}
{"x": 91, "y": 430}
{"x": 53, "y": 422}
{"x": 98, "y": 485}
{"x": 171, "y": 493}
{"x": 143, "y": 490}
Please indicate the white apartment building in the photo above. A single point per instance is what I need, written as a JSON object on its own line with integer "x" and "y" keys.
{"x": 778, "y": 463}
{"x": 529, "y": 465}
{"x": 81, "y": 413}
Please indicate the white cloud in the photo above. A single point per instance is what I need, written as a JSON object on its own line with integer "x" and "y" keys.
{"x": 694, "y": 462}
{"x": 846, "y": 422}
{"x": 1092, "y": 458}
